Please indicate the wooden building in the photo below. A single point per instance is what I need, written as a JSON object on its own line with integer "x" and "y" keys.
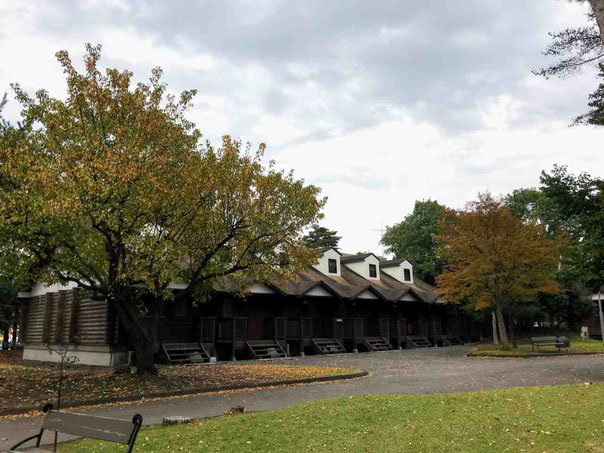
{"x": 345, "y": 303}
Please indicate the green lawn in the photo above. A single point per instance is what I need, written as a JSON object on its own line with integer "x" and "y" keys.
{"x": 578, "y": 346}
{"x": 539, "y": 419}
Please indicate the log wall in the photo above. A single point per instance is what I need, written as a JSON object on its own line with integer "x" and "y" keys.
{"x": 69, "y": 317}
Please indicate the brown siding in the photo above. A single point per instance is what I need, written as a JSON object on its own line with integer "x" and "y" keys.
{"x": 92, "y": 321}
{"x": 68, "y": 317}
{"x": 35, "y": 320}
{"x": 52, "y": 308}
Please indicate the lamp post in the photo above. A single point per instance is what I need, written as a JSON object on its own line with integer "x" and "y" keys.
{"x": 601, "y": 315}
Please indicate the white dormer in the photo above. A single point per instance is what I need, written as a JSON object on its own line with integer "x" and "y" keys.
{"x": 329, "y": 262}
{"x": 402, "y": 270}
{"x": 367, "y": 265}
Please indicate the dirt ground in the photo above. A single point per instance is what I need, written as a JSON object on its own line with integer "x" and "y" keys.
{"x": 29, "y": 385}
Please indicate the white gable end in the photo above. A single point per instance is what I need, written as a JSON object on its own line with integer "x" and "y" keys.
{"x": 318, "y": 291}
{"x": 323, "y": 265}
{"x": 363, "y": 267}
{"x": 403, "y": 272}
{"x": 258, "y": 288}
{"x": 367, "y": 295}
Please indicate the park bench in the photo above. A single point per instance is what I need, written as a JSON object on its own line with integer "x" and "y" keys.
{"x": 89, "y": 426}
{"x": 558, "y": 342}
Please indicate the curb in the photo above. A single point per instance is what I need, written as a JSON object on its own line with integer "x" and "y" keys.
{"x": 193, "y": 391}
{"x": 532, "y": 356}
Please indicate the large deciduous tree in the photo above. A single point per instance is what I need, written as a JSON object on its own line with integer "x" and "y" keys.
{"x": 414, "y": 239}
{"x": 113, "y": 189}
{"x": 494, "y": 260}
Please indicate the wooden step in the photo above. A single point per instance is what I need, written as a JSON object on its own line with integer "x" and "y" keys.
{"x": 377, "y": 343}
{"x": 328, "y": 346}
{"x": 265, "y": 349}
{"x": 185, "y": 353}
{"x": 452, "y": 340}
{"x": 416, "y": 341}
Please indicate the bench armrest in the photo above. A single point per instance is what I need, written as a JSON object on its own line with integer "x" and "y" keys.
{"x": 47, "y": 408}
{"x": 36, "y": 436}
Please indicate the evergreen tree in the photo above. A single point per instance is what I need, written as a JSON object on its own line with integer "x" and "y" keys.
{"x": 320, "y": 236}
{"x": 595, "y": 116}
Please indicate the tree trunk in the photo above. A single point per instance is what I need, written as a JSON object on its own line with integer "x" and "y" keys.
{"x": 512, "y": 336}
{"x": 15, "y": 328}
{"x": 597, "y": 6}
{"x": 494, "y": 322}
{"x": 145, "y": 346}
{"x": 142, "y": 332}
{"x": 5, "y": 338}
{"x": 145, "y": 360}
{"x": 502, "y": 332}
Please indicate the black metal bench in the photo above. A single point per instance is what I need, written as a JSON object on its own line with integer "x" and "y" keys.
{"x": 558, "y": 342}
{"x": 89, "y": 426}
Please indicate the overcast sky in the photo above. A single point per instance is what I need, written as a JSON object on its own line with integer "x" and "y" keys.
{"x": 380, "y": 103}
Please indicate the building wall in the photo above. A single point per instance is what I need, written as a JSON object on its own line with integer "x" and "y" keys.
{"x": 72, "y": 318}
{"x": 87, "y": 355}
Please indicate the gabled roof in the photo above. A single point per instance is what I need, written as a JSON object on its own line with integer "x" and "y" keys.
{"x": 358, "y": 290}
{"x": 306, "y": 286}
{"x": 392, "y": 263}
{"x": 349, "y": 285}
{"x": 357, "y": 257}
{"x": 324, "y": 249}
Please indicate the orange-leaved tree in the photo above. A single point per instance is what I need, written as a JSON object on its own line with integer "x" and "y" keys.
{"x": 493, "y": 259}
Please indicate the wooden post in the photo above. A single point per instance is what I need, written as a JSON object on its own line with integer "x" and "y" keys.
{"x": 24, "y": 309}
{"x": 398, "y": 333}
{"x": 47, "y": 318}
{"x": 60, "y": 318}
{"x": 233, "y": 358}
{"x": 73, "y": 318}
{"x": 354, "y": 335}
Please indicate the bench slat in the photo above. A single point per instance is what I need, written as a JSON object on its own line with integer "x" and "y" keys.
{"x": 541, "y": 339}
{"x": 102, "y": 428}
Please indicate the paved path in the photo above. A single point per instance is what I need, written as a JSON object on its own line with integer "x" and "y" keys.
{"x": 419, "y": 371}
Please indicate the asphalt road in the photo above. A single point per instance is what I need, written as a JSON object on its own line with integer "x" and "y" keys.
{"x": 415, "y": 371}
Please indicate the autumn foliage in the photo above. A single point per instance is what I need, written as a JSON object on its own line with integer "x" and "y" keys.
{"x": 493, "y": 259}
{"x": 113, "y": 189}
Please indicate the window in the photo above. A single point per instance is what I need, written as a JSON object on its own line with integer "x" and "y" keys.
{"x": 373, "y": 271}
{"x": 407, "y": 276}
{"x": 333, "y": 266}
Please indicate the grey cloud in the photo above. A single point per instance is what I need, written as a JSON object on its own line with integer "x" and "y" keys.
{"x": 438, "y": 61}
{"x": 357, "y": 177}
